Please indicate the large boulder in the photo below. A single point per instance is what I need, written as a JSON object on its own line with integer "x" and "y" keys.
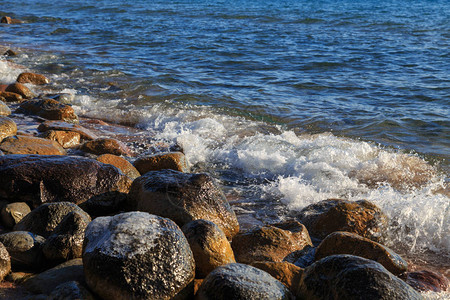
{"x": 5, "y": 262}
{"x": 44, "y": 219}
{"x": 105, "y": 146}
{"x": 49, "y": 109}
{"x": 4, "y": 109}
{"x": 361, "y": 217}
{"x": 121, "y": 163}
{"x": 32, "y": 78}
{"x": 173, "y": 160}
{"x": 12, "y": 213}
{"x": 136, "y": 255}
{"x": 351, "y": 277}
{"x": 7, "y": 127}
{"x": 47, "y": 281}
{"x": 209, "y": 245}
{"x": 66, "y": 240}
{"x": 241, "y": 282}
{"x": 183, "y": 198}
{"x": 271, "y": 242}
{"x": 84, "y": 133}
{"x": 21, "y": 144}
{"x": 39, "y": 179}
{"x": 25, "y": 249}
{"x": 20, "y": 89}
{"x": 350, "y": 243}
{"x": 66, "y": 139}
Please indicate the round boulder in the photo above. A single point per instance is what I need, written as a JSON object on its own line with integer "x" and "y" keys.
{"x": 136, "y": 255}
{"x": 32, "y": 78}
{"x": 352, "y": 277}
{"x": 360, "y": 217}
{"x": 271, "y": 242}
{"x": 20, "y": 89}
{"x": 105, "y": 146}
{"x": 350, "y": 243}
{"x": 5, "y": 262}
{"x": 173, "y": 160}
{"x": 239, "y": 281}
{"x": 49, "y": 109}
{"x": 7, "y": 127}
{"x": 25, "y": 249}
{"x": 183, "y": 198}
{"x": 209, "y": 245}
{"x": 287, "y": 273}
{"x": 4, "y": 109}
{"x": 21, "y": 144}
{"x": 121, "y": 163}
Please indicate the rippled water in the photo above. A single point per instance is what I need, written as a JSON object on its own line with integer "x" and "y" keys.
{"x": 286, "y": 102}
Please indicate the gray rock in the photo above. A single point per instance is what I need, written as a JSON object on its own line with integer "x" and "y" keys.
{"x": 5, "y": 262}
{"x": 25, "y": 249}
{"x": 47, "y": 281}
{"x": 239, "y": 281}
{"x": 136, "y": 255}
{"x": 38, "y": 179}
{"x": 66, "y": 240}
{"x": 71, "y": 290}
{"x": 4, "y": 109}
{"x": 12, "y": 213}
{"x": 183, "y": 198}
{"x": 44, "y": 219}
{"x": 352, "y": 277}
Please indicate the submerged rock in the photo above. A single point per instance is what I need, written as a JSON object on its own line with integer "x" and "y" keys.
{"x": 183, "y": 198}
{"x": 7, "y": 127}
{"x": 174, "y": 161}
{"x": 5, "y": 262}
{"x": 360, "y": 217}
{"x": 105, "y": 146}
{"x": 32, "y": 78}
{"x": 271, "y": 242}
{"x": 49, "y": 109}
{"x": 351, "y": 243}
{"x": 121, "y": 163}
{"x": 424, "y": 281}
{"x": 209, "y": 245}
{"x": 44, "y": 219}
{"x": 12, "y": 213}
{"x": 4, "y": 109}
{"x": 25, "y": 249}
{"x": 30, "y": 145}
{"x": 38, "y": 179}
{"x": 84, "y": 133}
{"x": 239, "y": 281}
{"x": 136, "y": 255}
{"x": 20, "y": 89}
{"x": 66, "y": 139}
{"x": 351, "y": 277}
{"x": 9, "y": 20}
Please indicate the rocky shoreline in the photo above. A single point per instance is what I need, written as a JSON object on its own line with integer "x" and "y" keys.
{"x": 86, "y": 216}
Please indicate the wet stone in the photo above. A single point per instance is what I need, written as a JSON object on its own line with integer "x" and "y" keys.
{"x": 239, "y": 281}
{"x": 287, "y": 273}
{"x": 183, "y": 198}
{"x": 7, "y": 127}
{"x": 11, "y": 97}
{"x": 12, "y": 213}
{"x": 174, "y": 161}
{"x": 4, "y": 109}
{"x": 106, "y": 204}
{"x": 121, "y": 163}
{"x": 20, "y": 89}
{"x": 425, "y": 281}
{"x": 32, "y": 78}
{"x": 9, "y": 20}
{"x": 67, "y": 139}
{"x": 49, "y": 109}
{"x": 136, "y": 255}
{"x": 5, "y": 262}
{"x": 30, "y": 145}
{"x": 25, "y": 249}
{"x": 84, "y": 133}
{"x": 105, "y": 146}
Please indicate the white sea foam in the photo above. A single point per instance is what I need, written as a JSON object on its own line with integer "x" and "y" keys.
{"x": 8, "y": 71}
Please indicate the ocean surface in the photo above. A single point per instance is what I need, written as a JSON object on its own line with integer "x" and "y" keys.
{"x": 286, "y": 103}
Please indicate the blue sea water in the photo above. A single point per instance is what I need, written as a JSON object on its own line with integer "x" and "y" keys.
{"x": 286, "y": 102}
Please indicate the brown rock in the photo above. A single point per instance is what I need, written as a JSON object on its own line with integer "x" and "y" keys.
{"x": 121, "y": 163}
{"x": 7, "y": 127}
{"x": 10, "y": 52}
{"x": 424, "y": 281}
{"x": 183, "y": 198}
{"x": 270, "y": 243}
{"x": 350, "y": 243}
{"x": 85, "y": 134}
{"x": 11, "y": 97}
{"x": 20, "y": 89}
{"x": 287, "y": 273}
{"x": 5, "y": 262}
{"x": 38, "y": 179}
{"x": 30, "y": 145}
{"x": 49, "y": 109}
{"x": 197, "y": 284}
{"x": 174, "y": 161}
{"x": 9, "y": 20}
{"x": 12, "y": 213}
{"x": 105, "y": 146}
{"x": 4, "y": 109}
{"x": 209, "y": 245}
{"x": 361, "y": 217}
{"x": 33, "y": 78}
{"x": 66, "y": 139}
